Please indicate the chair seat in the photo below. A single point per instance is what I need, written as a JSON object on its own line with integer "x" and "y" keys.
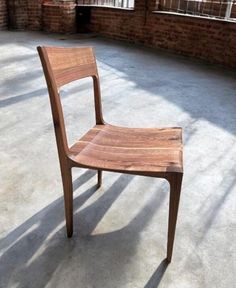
{"x": 149, "y": 150}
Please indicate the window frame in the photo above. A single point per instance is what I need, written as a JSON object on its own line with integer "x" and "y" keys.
{"x": 124, "y": 4}
{"x": 231, "y": 4}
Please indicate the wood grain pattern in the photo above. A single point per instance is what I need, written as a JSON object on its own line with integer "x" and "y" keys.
{"x": 155, "y": 152}
{"x": 141, "y": 150}
{"x": 76, "y": 63}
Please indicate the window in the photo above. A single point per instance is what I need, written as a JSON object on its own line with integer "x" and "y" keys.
{"x": 221, "y": 9}
{"x": 108, "y": 3}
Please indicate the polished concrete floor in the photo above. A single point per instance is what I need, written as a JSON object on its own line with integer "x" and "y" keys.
{"x": 120, "y": 229}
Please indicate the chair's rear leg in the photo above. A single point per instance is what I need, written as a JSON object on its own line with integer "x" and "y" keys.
{"x": 68, "y": 199}
{"x": 175, "y": 181}
{"x": 99, "y": 178}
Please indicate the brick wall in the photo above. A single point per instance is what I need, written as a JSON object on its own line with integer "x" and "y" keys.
{"x": 18, "y": 14}
{"x": 34, "y": 10}
{"x": 3, "y": 14}
{"x": 207, "y": 39}
{"x": 59, "y": 16}
{"x": 50, "y": 15}
{"x": 25, "y": 14}
{"x": 211, "y": 40}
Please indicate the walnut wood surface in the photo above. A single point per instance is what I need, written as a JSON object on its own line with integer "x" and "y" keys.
{"x": 141, "y": 150}
{"x": 155, "y": 152}
{"x": 75, "y": 63}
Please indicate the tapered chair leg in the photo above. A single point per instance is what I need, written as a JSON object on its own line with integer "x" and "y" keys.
{"x": 99, "y": 178}
{"x": 175, "y": 181}
{"x": 68, "y": 200}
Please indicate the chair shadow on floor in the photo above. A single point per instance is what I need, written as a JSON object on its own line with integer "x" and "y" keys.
{"x": 38, "y": 253}
{"x": 155, "y": 280}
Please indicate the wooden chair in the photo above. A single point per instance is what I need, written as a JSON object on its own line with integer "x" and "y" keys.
{"x": 147, "y": 151}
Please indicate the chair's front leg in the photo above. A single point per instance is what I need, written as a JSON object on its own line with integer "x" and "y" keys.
{"x": 175, "y": 181}
{"x": 68, "y": 199}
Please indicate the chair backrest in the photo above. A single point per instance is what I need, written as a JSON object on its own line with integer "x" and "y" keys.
{"x": 61, "y": 66}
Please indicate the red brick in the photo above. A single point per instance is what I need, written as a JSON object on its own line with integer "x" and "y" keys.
{"x": 3, "y": 14}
